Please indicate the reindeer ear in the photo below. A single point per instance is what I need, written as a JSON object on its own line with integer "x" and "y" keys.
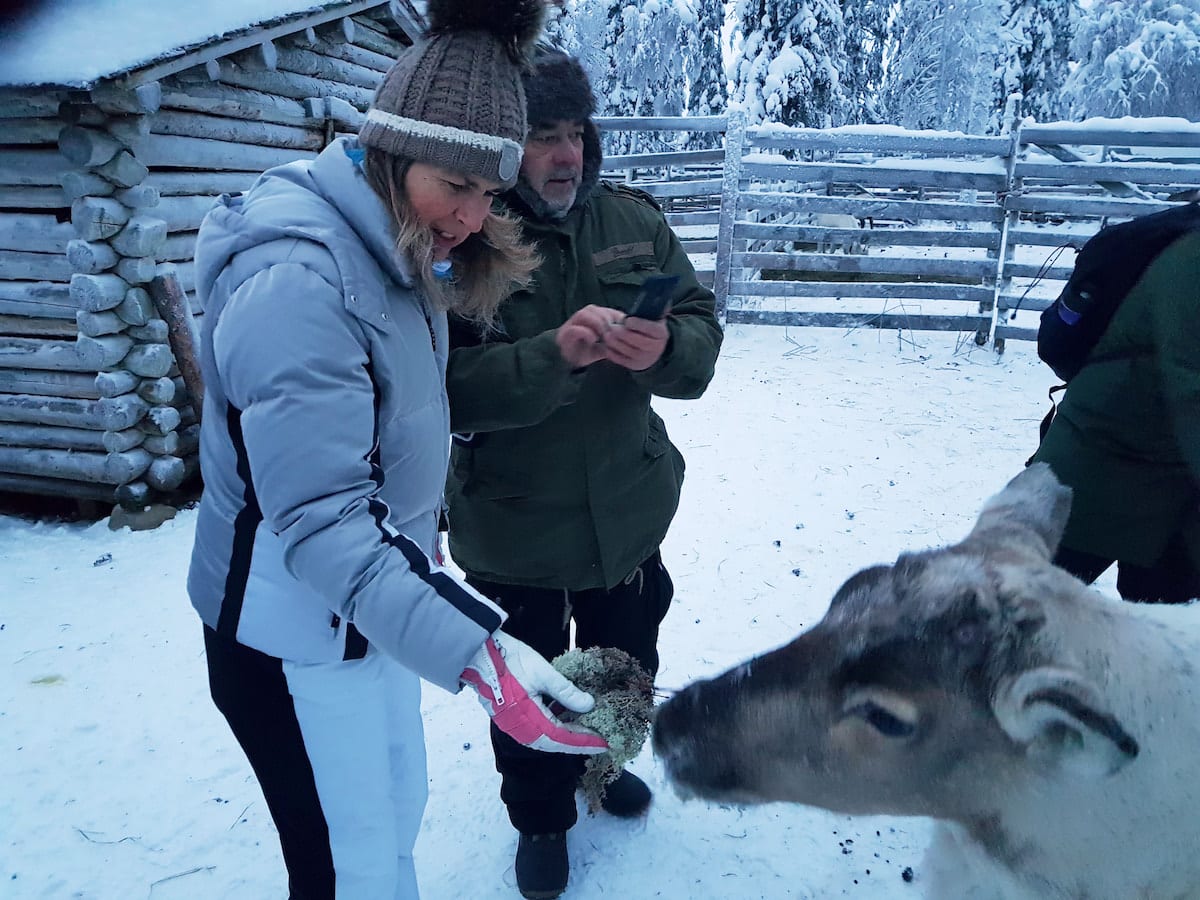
{"x": 1063, "y": 722}
{"x": 1031, "y": 511}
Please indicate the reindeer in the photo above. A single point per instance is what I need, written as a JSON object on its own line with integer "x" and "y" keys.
{"x": 1053, "y": 733}
{"x": 837, "y": 235}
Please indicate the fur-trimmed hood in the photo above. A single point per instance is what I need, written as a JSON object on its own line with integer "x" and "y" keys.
{"x": 527, "y": 202}
{"x": 557, "y": 89}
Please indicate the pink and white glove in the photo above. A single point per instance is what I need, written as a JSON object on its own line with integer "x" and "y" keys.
{"x": 510, "y": 677}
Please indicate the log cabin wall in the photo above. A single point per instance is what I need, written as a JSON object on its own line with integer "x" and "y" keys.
{"x": 101, "y": 195}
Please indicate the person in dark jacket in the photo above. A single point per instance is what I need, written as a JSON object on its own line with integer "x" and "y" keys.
{"x": 1126, "y": 439}
{"x": 324, "y": 452}
{"x": 563, "y": 481}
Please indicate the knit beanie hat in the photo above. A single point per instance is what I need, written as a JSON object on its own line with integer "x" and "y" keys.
{"x": 455, "y": 98}
{"x": 557, "y": 88}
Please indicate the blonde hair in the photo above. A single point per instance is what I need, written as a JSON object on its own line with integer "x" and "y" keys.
{"x": 488, "y": 266}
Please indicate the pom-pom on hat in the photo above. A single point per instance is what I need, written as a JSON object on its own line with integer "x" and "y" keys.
{"x": 455, "y": 98}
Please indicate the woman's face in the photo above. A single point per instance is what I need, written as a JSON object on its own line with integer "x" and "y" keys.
{"x": 451, "y": 205}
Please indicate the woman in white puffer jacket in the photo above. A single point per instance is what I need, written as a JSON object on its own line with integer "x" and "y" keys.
{"x": 324, "y": 452}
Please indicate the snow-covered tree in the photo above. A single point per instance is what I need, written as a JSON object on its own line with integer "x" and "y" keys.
{"x": 578, "y": 28}
{"x": 643, "y": 73}
{"x": 787, "y": 60}
{"x": 1137, "y": 58}
{"x": 861, "y": 72}
{"x": 1035, "y": 43}
{"x": 642, "y": 77}
{"x": 656, "y": 58}
{"x": 700, "y": 40}
{"x": 942, "y": 65}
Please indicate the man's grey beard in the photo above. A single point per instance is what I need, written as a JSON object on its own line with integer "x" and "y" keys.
{"x": 539, "y": 206}
{"x": 558, "y": 211}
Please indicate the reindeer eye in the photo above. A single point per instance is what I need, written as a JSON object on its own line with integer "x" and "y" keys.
{"x": 886, "y": 723}
{"x": 889, "y": 712}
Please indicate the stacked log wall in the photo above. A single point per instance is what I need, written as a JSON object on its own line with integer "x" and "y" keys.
{"x": 102, "y": 191}
{"x": 52, "y": 432}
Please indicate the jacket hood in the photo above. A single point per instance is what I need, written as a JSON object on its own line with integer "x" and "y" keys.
{"x": 525, "y": 200}
{"x": 326, "y": 200}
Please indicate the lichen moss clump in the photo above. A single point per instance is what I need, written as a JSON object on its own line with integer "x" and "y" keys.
{"x": 624, "y": 695}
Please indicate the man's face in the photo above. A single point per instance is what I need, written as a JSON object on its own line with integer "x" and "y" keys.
{"x": 553, "y": 164}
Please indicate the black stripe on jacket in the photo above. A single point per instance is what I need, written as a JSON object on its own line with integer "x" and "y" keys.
{"x": 447, "y": 587}
{"x": 245, "y": 525}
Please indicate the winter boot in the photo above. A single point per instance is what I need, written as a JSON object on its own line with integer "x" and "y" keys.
{"x": 627, "y": 797}
{"x": 542, "y": 865}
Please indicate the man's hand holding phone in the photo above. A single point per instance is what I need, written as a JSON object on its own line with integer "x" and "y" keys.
{"x": 636, "y": 343}
{"x": 634, "y": 340}
{"x": 642, "y": 336}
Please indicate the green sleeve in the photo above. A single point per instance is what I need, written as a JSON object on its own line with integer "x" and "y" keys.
{"x": 507, "y": 384}
{"x": 1174, "y": 282}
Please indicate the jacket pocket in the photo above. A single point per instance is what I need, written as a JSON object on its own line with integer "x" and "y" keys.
{"x": 462, "y": 458}
{"x": 621, "y": 281}
{"x": 657, "y": 443}
{"x": 481, "y": 475}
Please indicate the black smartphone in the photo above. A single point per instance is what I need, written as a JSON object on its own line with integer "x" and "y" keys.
{"x": 654, "y": 299}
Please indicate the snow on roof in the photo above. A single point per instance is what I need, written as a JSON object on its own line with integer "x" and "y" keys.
{"x": 75, "y": 43}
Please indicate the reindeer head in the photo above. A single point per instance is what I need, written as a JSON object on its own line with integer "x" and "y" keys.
{"x": 928, "y": 683}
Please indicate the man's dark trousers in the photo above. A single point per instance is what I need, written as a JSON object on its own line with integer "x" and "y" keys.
{"x": 1173, "y": 579}
{"x": 538, "y": 788}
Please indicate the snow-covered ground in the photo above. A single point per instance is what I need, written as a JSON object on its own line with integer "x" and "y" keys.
{"x": 813, "y": 454}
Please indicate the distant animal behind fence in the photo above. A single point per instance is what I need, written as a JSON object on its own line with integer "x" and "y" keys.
{"x": 836, "y": 239}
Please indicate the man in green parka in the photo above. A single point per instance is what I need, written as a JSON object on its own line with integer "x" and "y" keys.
{"x": 1126, "y": 439}
{"x": 563, "y": 481}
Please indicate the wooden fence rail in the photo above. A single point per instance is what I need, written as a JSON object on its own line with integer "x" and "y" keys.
{"x": 102, "y": 193}
{"x": 883, "y": 227}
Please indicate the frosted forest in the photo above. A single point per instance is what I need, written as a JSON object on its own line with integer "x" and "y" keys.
{"x": 927, "y": 64}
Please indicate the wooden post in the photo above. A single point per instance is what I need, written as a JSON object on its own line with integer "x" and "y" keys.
{"x": 340, "y": 31}
{"x": 98, "y": 218}
{"x": 85, "y": 147}
{"x": 141, "y": 236}
{"x": 172, "y": 306}
{"x": 34, "y": 233}
{"x": 129, "y": 130}
{"x": 305, "y": 62}
{"x": 175, "y": 152}
{"x": 236, "y": 103}
{"x": 91, "y": 257}
{"x": 1004, "y": 254}
{"x": 735, "y": 136}
{"x": 123, "y": 170}
{"x": 341, "y": 113}
{"x": 77, "y": 185}
{"x": 183, "y": 123}
{"x": 140, "y": 196}
{"x": 97, "y": 293}
{"x": 32, "y": 197}
{"x": 145, "y": 98}
{"x": 261, "y": 57}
